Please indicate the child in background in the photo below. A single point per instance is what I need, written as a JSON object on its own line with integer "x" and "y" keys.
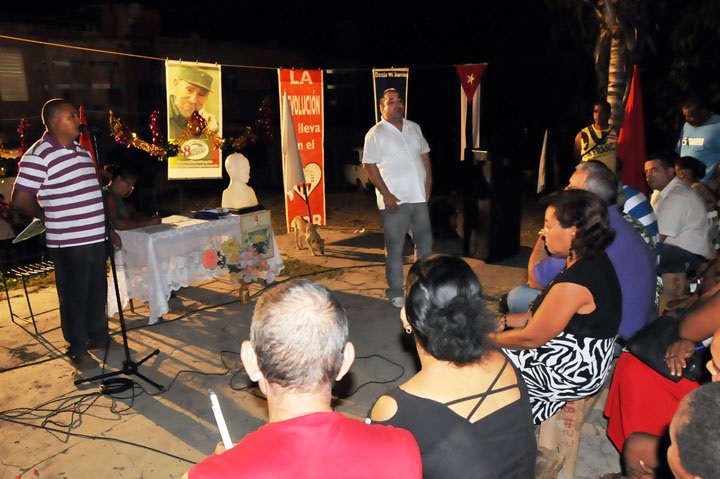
{"x": 121, "y": 214}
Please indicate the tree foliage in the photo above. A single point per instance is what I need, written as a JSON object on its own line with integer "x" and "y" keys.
{"x": 674, "y": 44}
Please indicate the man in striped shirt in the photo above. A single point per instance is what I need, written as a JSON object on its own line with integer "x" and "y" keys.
{"x": 57, "y": 182}
{"x": 637, "y": 205}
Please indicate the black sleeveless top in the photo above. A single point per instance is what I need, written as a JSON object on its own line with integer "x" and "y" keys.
{"x": 500, "y": 445}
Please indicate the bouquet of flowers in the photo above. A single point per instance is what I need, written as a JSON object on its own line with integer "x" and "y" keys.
{"x": 243, "y": 261}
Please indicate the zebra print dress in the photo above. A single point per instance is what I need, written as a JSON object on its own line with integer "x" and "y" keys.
{"x": 575, "y": 363}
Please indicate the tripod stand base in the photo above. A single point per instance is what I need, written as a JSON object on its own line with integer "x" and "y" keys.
{"x": 130, "y": 368}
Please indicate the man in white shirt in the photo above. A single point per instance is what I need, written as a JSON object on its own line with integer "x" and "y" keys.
{"x": 682, "y": 221}
{"x": 397, "y": 159}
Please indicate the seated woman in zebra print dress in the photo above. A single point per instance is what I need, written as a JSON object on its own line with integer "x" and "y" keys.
{"x": 563, "y": 346}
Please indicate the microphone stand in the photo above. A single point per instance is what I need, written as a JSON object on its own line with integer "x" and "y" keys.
{"x": 130, "y": 367}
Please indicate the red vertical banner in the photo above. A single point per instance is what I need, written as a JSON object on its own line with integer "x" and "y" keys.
{"x": 304, "y": 89}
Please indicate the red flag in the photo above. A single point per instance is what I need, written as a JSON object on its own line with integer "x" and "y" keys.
{"x": 631, "y": 141}
{"x": 86, "y": 141}
{"x": 470, "y": 76}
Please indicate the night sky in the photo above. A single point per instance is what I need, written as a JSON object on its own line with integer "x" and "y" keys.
{"x": 526, "y": 73}
{"x": 346, "y": 35}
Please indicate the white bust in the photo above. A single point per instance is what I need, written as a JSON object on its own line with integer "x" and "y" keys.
{"x": 238, "y": 194}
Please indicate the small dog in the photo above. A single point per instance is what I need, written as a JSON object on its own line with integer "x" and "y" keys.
{"x": 309, "y": 232}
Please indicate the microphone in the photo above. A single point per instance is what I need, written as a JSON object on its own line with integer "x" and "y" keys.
{"x": 88, "y": 129}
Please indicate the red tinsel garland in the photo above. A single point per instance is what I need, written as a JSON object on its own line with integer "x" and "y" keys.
{"x": 158, "y": 139}
{"x": 21, "y": 129}
{"x": 262, "y": 129}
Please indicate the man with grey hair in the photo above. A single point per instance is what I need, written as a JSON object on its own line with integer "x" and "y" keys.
{"x": 298, "y": 348}
{"x": 631, "y": 256}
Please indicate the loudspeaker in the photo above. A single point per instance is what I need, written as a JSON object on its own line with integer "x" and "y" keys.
{"x": 492, "y": 207}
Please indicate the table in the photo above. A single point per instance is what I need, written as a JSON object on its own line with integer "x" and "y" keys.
{"x": 156, "y": 260}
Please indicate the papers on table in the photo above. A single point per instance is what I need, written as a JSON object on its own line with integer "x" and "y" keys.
{"x": 172, "y": 222}
{"x": 175, "y": 219}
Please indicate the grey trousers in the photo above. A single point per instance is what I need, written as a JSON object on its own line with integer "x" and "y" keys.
{"x": 408, "y": 218}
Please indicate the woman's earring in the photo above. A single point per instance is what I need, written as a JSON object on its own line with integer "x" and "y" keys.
{"x": 403, "y": 319}
{"x": 571, "y": 254}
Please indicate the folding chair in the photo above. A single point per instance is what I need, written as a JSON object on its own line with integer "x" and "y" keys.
{"x": 24, "y": 273}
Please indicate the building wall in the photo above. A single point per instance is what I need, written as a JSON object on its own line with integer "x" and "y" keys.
{"x": 117, "y": 63}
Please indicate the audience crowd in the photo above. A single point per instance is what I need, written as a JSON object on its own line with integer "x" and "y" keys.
{"x": 608, "y": 263}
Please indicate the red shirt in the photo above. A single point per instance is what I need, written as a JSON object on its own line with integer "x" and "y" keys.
{"x": 320, "y": 445}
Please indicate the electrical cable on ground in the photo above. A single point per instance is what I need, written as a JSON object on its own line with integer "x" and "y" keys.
{"x": 74, "y": 407}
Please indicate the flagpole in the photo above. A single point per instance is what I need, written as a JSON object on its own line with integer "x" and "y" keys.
{"x": 469, "y": 140}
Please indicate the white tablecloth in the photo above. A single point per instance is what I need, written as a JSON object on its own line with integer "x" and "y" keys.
{"x": 156, "y": 260}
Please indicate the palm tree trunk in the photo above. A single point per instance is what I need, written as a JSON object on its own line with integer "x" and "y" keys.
{"x": 617, "y": 81}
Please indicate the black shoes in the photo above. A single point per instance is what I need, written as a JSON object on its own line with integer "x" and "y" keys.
{"x": 108, "y": 344}
{"x": 82, "y": 360}
{"x": 98, "y": 343}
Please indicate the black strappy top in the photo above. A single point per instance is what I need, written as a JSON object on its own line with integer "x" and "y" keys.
{"x": 500, "y": 445}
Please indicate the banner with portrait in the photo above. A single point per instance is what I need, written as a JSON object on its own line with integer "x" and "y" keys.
{"x": 384, "y": 78}
{"x": 304, "y": 90}
{"x": 194, "y": 119}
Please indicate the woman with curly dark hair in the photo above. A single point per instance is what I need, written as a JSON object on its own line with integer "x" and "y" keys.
{"x": 563, "y": 345}
{"x": 467, "y": 407}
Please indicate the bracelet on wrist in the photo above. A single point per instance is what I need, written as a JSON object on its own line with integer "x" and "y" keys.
{"x": 504, "y": 318}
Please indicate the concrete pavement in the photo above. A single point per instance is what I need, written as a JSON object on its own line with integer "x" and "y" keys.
{"x": 59, "y": 429}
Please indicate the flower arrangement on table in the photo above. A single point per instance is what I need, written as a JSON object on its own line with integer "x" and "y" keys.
{"x": 243, "y": 261}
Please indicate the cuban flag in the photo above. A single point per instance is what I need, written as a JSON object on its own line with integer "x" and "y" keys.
{"x": 470, "y": 77}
